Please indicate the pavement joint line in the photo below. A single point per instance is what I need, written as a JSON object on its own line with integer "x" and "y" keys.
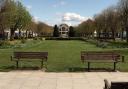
{"x": 53, "y": 78}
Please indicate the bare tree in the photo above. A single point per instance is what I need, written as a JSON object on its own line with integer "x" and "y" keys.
{"x": 123, "y": 8}
{"x": 112, "y": 21}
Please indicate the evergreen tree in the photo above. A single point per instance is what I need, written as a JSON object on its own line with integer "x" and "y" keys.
{"x": 56, "y": 31}
{"x": 71, "y": 32}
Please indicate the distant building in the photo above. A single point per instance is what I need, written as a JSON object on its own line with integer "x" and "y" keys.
{"x": 6, "y": 34}
{"x": 63, "y": 30}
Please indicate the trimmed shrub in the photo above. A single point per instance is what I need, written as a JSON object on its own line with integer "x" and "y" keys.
{"x": 70, "y": 38}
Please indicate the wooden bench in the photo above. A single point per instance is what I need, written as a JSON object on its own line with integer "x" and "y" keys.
{"x": 101, "y": 57}
{"x": 29, "y": 56}
{"x": 115, "y": 85}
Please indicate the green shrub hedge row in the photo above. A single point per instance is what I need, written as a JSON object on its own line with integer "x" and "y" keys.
{"x": 70, "y": 38}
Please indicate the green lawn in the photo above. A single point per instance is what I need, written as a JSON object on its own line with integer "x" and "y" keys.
{"x": 63, "y": 56}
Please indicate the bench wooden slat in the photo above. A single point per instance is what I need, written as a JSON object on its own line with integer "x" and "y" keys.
{"x": 101, "y": 61}
{"x": 20, "y": 56}
{"x": 32, "y": 55}
{"x": 100, "y": 57}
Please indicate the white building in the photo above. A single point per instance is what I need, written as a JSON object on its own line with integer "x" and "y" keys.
{"x": 63, "y": 30}
{"x": 6, "y": 34}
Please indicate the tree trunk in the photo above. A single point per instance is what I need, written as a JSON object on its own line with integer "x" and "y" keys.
{"x": 26, "y": 34}
{"x": 2, "y": 32}
{"x": 127, "y": 34}
{"x": 4, "y": 35}
{"x": 19, "y": 33}
{"x": 98, "y": 35}
{"x": 113, "y": 34}
{"x": 105, "y": 35}
{"x": 32, "y": 34}
{"x": 122, "y": 34}
{"x": 12, "y": 34}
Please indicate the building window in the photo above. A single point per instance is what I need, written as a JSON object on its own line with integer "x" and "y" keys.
{"x": 63, "y": 32}
{"x": 63, "y": 28}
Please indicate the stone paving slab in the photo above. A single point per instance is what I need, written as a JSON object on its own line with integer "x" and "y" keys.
{"x": 42, "y": 80}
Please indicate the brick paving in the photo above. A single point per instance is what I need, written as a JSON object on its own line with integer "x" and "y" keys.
{"x": 43, "y": 80}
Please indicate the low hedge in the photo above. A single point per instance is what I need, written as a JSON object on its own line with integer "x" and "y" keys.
{"x": 70, "y": 38}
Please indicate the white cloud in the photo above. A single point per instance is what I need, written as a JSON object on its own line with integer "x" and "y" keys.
{"x": 68, "y": 23}
{"x": 73, "y": 17}
{"x": 35, "y": 19}
{"x": 28, "y": 7}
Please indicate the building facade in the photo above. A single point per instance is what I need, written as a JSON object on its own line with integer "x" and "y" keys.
{"x": 63, "y": 30}
{"x": 6, "y": 34}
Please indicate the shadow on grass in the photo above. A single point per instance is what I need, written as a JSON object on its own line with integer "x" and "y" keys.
{"x": 78, "y": 69}
{"x": 13, "y": 68}
{"x": 73, "y": 69}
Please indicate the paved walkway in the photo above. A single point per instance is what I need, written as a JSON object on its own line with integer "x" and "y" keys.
{"x": 42, "y": 80}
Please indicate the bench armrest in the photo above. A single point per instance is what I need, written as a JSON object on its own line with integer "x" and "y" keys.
{"x": 107, "y": 85}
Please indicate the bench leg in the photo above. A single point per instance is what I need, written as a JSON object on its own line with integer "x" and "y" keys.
{"x": 42, "y": 64}
{"x": 17, "y": 64}
{"x": 88, "y": 66}
{"x": 114, "y": 66}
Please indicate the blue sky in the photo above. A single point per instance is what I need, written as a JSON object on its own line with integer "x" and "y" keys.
{"x": 71, "y": 12}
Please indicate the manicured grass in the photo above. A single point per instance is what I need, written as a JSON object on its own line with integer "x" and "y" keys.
{"x": 63, "y": 56}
